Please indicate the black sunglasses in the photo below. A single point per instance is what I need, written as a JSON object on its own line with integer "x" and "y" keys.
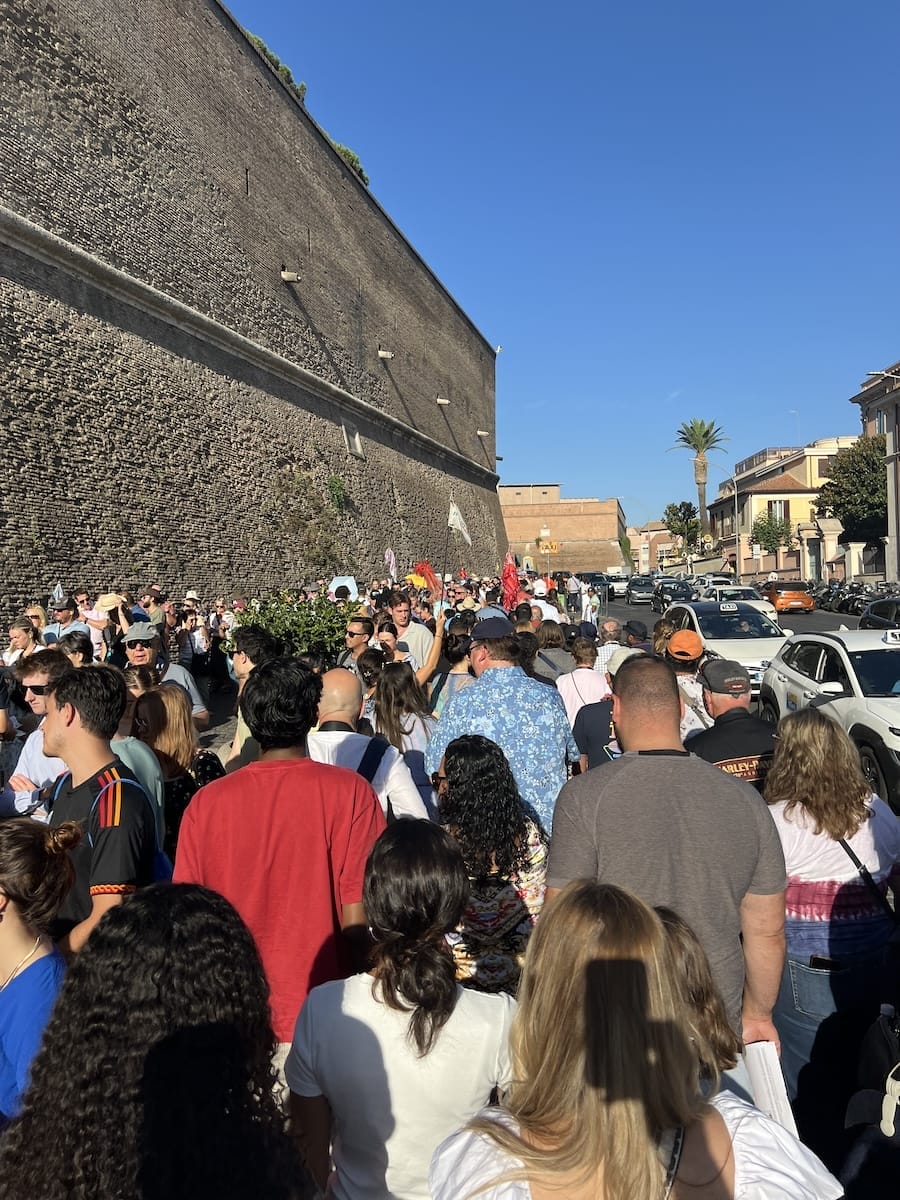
{"x": 437, "y": 779}
{"x": 38, "y": 689}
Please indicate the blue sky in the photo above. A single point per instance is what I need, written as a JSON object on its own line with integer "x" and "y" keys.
{"x": 661, "y": 210}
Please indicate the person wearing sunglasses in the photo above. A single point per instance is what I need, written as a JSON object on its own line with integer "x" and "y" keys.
{"x": 35, "y": 771}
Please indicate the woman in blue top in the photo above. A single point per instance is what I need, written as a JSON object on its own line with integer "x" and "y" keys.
{"x": 35, "y": 876}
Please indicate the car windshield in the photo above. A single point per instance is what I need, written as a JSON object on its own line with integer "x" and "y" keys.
{"x": 782, "y": 588}
{"x": 747, "y": 623}
{"x": 640, "y": 579}
{"x": 878, "y": 671}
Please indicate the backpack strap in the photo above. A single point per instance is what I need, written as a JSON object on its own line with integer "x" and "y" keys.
{"x": 58, "y": 787}
{"x": 371, "y": 759}
{"x": 552, "y": 665}
{"x": 102, "y": 793}
{"x": 436, "y": 688}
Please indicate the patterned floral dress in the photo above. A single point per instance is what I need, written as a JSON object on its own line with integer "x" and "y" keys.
{"x": 489, "y": 943}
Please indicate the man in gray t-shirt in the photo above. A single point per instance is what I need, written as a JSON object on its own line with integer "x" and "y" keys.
{"x": 677, "y": 831}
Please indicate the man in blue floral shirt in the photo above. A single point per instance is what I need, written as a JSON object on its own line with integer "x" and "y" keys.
{"x": 525, "y": 718}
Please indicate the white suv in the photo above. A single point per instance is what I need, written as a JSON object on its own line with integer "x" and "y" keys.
{"x": 854, "y": 675}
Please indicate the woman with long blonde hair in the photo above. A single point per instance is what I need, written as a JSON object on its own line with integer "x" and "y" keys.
{"x": 837, "y": 920}
{"x": 162, "y": 719}
{"x": 606, "y": 1101}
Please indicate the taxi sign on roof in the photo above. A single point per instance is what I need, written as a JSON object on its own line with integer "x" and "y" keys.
{"x": 891, "y": 637}
{"x": 728, "y": 608}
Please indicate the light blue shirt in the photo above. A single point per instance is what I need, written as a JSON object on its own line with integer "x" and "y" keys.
{"x": 528, "y": 722}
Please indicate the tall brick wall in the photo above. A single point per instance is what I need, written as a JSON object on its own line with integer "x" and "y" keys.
{"x": 159, "y": 374}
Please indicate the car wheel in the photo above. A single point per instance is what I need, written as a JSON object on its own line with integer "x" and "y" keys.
{"x": 769, "y": 712}
{"x": 873, "y": 772}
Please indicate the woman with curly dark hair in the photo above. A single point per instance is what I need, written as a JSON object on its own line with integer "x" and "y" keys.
{"x": 155, "y": 1075}
{"x": 385, "y": 1064}
{"x": 36, "y": 874}
{"x": 505, "y": 852}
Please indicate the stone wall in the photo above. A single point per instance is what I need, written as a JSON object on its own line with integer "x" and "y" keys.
{"x": 172, "y": 409}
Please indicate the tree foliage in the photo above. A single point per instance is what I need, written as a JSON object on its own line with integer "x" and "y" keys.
{"x": 701, "y": 437}
{"x": 771, "y": 532}
{"x": 682, "y": 520}
{"x": 302, "y": 626}
{"x": 856, "y": 491}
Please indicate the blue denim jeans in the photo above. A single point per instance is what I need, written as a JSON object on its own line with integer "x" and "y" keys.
{"x": 821, "y": 1015}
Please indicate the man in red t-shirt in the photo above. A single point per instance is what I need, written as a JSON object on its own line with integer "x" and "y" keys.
{"x": 286, "y": 839}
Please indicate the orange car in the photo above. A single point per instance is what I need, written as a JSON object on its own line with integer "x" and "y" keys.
{"x": 788, "y": 595}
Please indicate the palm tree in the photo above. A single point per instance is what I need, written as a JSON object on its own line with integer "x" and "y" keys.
{"x": 701, "y": 437}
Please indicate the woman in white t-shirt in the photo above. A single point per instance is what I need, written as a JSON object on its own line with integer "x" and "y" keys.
{"x": 837, "y": 929}
{"x": 606, "y": 1102}
{"x": 385, "y": 1065}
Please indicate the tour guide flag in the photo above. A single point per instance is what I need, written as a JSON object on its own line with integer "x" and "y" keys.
{"x": 455, "y": 521}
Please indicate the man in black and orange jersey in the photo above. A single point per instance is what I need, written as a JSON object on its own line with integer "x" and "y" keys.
{"x": 116, "y": 855}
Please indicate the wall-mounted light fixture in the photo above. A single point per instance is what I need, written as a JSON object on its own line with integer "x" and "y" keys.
{"x": 442, "y": 400}
{"x": 289, "y": 276}
{"x": 482, "y": 433}
{"x": 385, "y": 353}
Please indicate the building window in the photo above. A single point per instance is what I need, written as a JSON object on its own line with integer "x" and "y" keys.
{"x": 779, "y": 510}
{"x": 880, "y": 421}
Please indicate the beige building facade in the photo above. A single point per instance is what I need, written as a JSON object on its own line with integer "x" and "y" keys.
{"x": 783, "y": 481}
{"x": 544, "y": 528}
{"x": 879, "y": 405}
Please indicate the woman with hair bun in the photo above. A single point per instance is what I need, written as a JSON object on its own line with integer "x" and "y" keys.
{"x": 154, "y": 1080}
{"x": 35, "y": 875}
{"x": 386, "y": 1064}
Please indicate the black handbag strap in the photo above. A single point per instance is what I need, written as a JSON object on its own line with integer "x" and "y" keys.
{"x": 870, "y": 882}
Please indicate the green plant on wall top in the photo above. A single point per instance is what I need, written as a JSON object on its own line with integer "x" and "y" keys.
{"x": 284, "y": 71}
{"x": 303, "y": 626}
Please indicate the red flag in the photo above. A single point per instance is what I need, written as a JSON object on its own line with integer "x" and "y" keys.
{"x": 426, "y": 570}
{"x": 510, "y": 579}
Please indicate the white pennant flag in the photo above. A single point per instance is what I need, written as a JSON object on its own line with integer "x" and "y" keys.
{"x": 455, "y": 521}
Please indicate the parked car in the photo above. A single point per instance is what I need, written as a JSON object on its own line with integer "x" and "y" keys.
{"x": 881, "y": 614}
{"x": 788, "y": 595}
{"x": 733, "y": 629}
{"x": 733, "y": 591}
{"x": 639, "y": 589}
{"x": 597, "y": 580}
{"x": 854, "y": 675}
{"x": 617, "y": 584}
{"x": 668, "y": 591}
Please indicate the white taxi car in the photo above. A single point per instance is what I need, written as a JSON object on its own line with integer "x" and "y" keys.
{"x": 854, "y": 675}
{"x": 733, "y": 629}
{"x": 736, "y": 591}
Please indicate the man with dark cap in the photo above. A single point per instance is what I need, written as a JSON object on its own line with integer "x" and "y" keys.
{"x": 739, "y": 743}
{"x": 636, "y": 636}
{"x": 526, "y": 719}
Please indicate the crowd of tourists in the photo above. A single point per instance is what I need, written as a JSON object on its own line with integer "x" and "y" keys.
{"x": 491, "y": 901}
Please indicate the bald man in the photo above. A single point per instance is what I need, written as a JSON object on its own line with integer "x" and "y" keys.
{"x": 337, "y": 742}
